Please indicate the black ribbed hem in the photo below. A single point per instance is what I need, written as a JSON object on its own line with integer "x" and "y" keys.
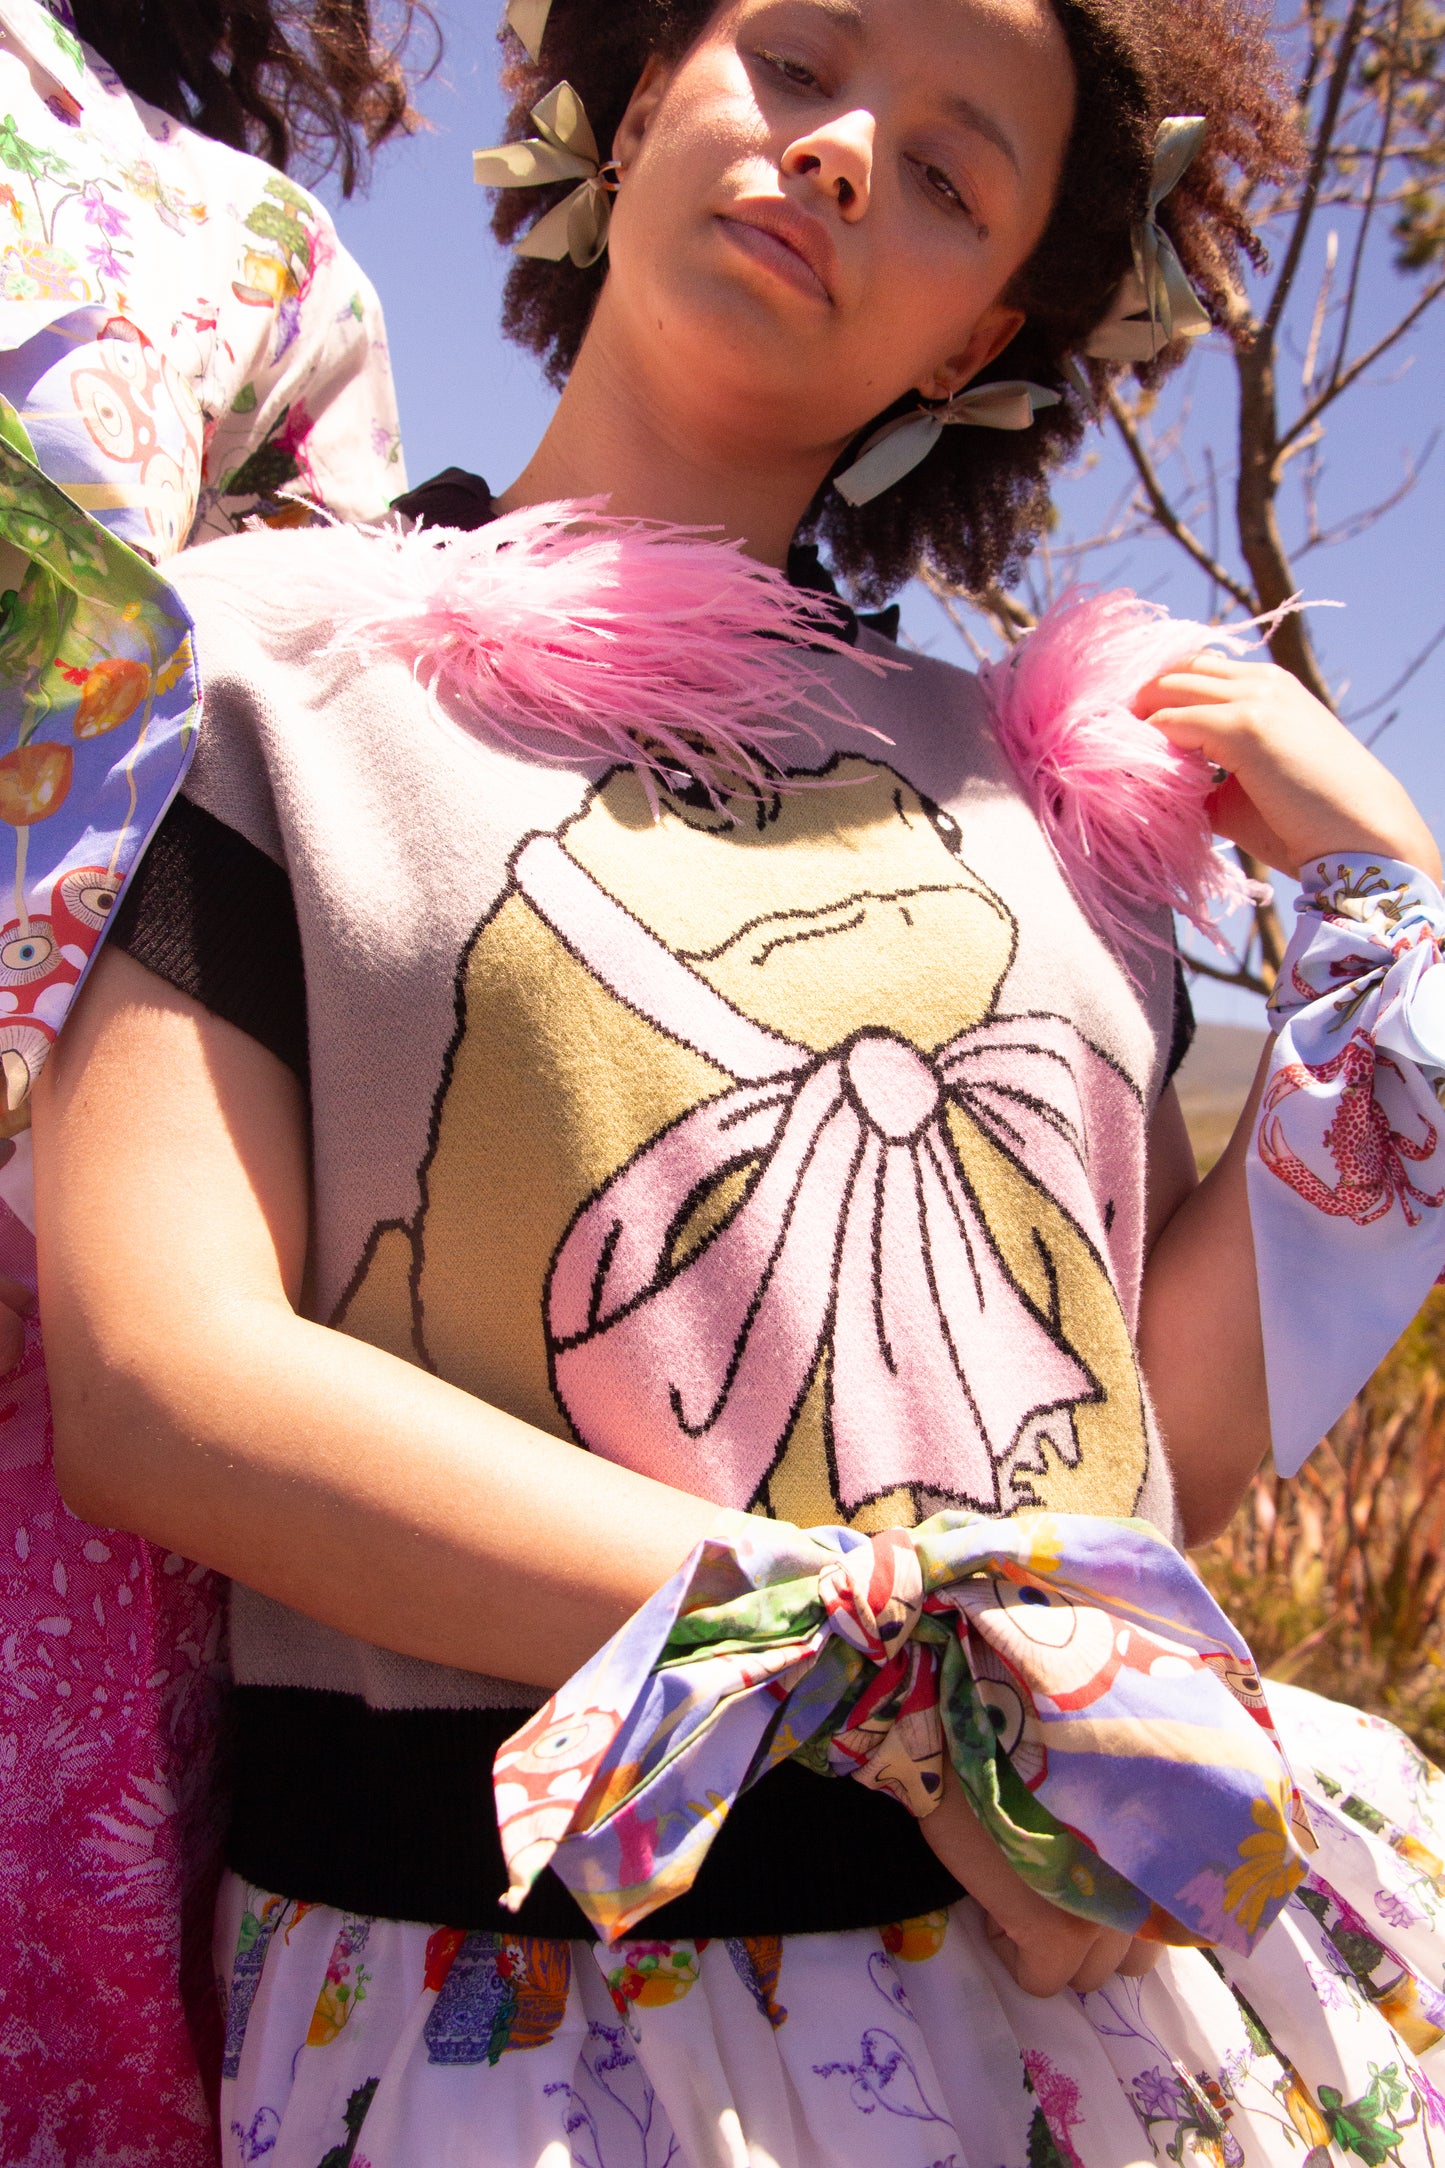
{"x": 388, "y": 1812}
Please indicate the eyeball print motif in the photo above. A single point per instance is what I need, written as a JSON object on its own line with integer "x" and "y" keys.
{"x": 42, "y": 957}
{"x": 28, "y": 952}
{"x": 1005, "y": 1704}
{"x": 1067, "y": 1653}
{"x": 1244, "y": 1683}
{"x": 538, "y": 1785}
{"x": 82, "y": 904}
{"x": 574, "y": 1744}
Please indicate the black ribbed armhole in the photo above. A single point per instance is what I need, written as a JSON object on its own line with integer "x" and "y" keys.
{"x": 1183, "y": 1026}
{"x": 214, "y": 916}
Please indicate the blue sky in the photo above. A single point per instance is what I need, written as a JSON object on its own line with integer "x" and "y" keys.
{"x": 469, "y": 399}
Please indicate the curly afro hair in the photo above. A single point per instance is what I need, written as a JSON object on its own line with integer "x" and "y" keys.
{"x": 299, "y": 82}
{"x": 975, "y": 506}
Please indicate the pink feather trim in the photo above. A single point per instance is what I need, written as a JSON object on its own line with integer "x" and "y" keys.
{"x": 566, "y": 634}
{"x": 1125, "y": 812}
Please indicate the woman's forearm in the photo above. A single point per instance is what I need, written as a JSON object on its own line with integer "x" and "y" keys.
{"x": 375, "y": 1497}
{"x": 193, "y": 1404}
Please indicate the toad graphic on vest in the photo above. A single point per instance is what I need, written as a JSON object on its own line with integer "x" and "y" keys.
{"x": 743, "y": 1174}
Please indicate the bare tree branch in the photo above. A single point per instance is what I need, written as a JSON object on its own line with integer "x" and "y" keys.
{"x": 1367, "y": 214}
{"x": 1164, "y": 511}
{"x": 1424, "y": 300}
{"x": 1411, "y": 669}
{"x": 1322, "y": 301}
{"x": 1358, "y": 523}
{"x": 1345, "y": 50}
{"x": 1249, "y": 981}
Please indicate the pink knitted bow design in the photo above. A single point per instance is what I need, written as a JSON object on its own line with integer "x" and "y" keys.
{"x": 858, "y": 1238}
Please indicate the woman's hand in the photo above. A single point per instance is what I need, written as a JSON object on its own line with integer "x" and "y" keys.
{"x": 1044, "y": 1948}
{"x": 1298, "y": 785}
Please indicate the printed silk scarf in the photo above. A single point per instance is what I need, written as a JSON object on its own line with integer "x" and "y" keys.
{"x": 1063, "y": 1663}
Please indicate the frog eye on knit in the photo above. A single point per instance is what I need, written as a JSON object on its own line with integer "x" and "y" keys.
{"x": 949, "y": 834}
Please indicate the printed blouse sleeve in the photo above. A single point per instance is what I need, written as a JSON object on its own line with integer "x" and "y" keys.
{"x": 1347, "y": 1165}
{"x": 214, "y": 916}
{"x": 315, "y": 416}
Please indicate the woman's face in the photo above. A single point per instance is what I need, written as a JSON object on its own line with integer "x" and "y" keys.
{"x": 824, "y": 200}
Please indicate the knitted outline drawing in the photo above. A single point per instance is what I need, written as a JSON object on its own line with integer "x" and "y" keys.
{"x": 846, "y": 1252}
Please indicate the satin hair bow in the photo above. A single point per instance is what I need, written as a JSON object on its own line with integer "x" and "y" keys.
{"x": 527, "y": 20}
{"x": 898, "y": 447}
{"x": 563, "y": 149}
{"x": 1155, "y": 303}
{"x": 1105, "y": 1718}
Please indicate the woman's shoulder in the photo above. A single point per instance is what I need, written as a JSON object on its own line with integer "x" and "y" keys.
{"x": 288, "y": 586}
{"x": 271, "y": 614}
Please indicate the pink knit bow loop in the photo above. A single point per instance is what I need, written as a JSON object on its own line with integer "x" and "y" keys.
{"x": 873, "y": 1594}
{"x": 693, "y": 1368}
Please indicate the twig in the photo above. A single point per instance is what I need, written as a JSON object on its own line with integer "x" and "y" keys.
{"x": 1284, "y": 1667}
{"x": 1332, "y": 391}
{"x": 1367, "y": 213}
{"x": 1165, "y": 513}
{"x": 1410, "y": 670}
{"x": 1322, "y": 301}
{"x": 1358, "y": 523}
{"x": 1242, "y": 976}
{"x": 1349, "y": 39}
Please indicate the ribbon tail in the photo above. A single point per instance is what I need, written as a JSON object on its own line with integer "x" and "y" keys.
{"x": 606, "y": 1735}
{"x": 588, "y": 221}
{"x": 1181, "y": 312}
{"x": 550, "y": 240}
{"x": 890, "y": 453}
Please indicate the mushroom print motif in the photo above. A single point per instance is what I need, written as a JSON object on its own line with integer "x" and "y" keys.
{"x": 42, "y": 958}
{"x": 744, "y": 1177}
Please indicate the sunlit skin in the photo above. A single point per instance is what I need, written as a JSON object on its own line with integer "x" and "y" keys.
{"x": 823, "y": 204}
{"x": 915, "y": 147}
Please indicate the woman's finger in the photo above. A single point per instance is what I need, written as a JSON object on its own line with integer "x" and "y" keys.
{"x": 1106, "y": 1957}
{"x": 1189, "y": 689}
{"x": 1142, "y": 1957}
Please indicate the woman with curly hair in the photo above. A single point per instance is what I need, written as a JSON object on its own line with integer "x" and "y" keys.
{"x": 657, "y": 1184}
{"x": 183, "y": 346}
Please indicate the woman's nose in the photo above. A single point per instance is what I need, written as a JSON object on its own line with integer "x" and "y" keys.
{"x": 838, "y": 158}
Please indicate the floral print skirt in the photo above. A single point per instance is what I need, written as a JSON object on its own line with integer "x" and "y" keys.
{"x": 382, "y": 2044}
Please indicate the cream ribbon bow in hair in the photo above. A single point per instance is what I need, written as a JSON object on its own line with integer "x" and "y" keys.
{"x": 1155, "y": 303}
{"x": 897, "y": 448}
{"x": 527, "y": 20}
{"x": 563, "y": 149}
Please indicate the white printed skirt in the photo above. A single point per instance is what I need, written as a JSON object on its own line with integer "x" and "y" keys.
{"x": 368, "y": 2043}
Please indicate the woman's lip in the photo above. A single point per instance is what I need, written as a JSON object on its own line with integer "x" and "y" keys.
{"x": 795, "y": 247}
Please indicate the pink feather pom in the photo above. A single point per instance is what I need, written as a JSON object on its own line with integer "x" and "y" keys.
{"x": 565, "y": 633}
{"x": 1125, "y": 812}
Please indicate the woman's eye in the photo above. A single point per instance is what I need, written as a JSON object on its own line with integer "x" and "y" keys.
{"x": 791, "y": 71}
{"x": 939, "y": 184}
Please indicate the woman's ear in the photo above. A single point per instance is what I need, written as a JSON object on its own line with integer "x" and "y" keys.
{"x": 987, "y": 340}
{"x": 645, "y": 99}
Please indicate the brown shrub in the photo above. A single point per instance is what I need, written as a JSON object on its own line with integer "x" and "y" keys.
{"x": 1337, "y": 1579}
